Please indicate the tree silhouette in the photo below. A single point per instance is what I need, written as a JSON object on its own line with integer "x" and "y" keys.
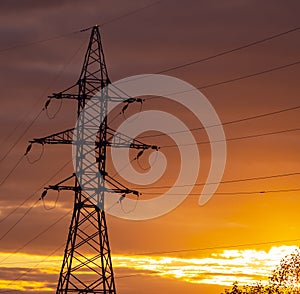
{"x": 285, "y": 279}
{"x": 287, "y": 275}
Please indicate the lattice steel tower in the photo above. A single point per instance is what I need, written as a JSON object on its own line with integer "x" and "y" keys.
{"x": 87, "y": 265}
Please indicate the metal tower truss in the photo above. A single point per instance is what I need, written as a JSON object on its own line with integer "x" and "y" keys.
{"x": 87, "y": 265}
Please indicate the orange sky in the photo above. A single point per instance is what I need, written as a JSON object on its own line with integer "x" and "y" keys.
{"x": 149, "y": 41}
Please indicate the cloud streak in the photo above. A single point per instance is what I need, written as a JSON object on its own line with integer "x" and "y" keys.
{"x": 39, "y": 273}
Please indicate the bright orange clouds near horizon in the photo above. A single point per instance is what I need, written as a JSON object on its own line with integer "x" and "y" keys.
{"x": 245, "y": 266}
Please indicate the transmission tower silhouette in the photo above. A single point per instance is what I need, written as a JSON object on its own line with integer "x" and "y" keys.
{"x": 87, "y": 265}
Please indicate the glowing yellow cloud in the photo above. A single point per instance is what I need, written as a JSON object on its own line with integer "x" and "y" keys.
{"x": 224, "y": 268}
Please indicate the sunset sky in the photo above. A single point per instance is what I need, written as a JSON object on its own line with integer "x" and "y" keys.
{"x": 238, "y": 235}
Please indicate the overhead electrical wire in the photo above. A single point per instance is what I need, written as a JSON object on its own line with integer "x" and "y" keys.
{"x": 234, "y": 138}
{"x": 222, "y": 53}
{"x": 226, "y": 122}
{"x": 11, "y": 148}
{"x": 18, "y": 221}
{"x": 272, "y": 69}
{"x": 239, "y": 78}
{"x": 11, "y": 171}
{"x": 36, "y": 191}
{"x": 229, "y": 51}
{"x": 77, "y": 31}
{"x": 30, "y": 207}
{"x": 258, "y": 116}
{"x": 251, "y": 192}
{"x": 218, "y": 247}
{"x": 234, "y": 193}
{"x": 57, "y": 76}
{"x": 62, "y": 69}
{"x": 130, "y": 13}
{"x": 204, "y": 87}
{"x": 24, "y": 273}
{"x": 149, "y": 253}
{"x": 14, "y": 47}
{"x": 36, "y": 236}
{"x": 238, "y": 180}
{"x": 197, "y": 61}
{"x": 38, "y": 263}
{"x": 226, "y": 181}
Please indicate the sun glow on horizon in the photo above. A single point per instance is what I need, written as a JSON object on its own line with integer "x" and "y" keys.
{"x": 245, "y": 266}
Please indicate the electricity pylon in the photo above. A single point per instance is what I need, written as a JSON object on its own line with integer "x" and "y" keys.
{"x": 87, "y": 265}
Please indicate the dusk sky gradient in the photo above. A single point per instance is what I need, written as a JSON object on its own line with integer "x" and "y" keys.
{"x": 163, "y": 35}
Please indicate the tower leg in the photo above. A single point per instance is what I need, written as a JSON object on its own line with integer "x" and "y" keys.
{"x": 87, "y": 266}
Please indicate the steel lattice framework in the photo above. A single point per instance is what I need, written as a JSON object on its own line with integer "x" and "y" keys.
{"x": 87, "y": 265}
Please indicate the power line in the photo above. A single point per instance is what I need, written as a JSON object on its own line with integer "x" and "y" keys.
{"x": 234, "y": 139}
{"x": 200, "y": 87}
{"x": 130, "y": 13}
{"x": 272, "y": 69}
{"x": 11, "y": 171}
{"x": 234, "y": 193}
{"x": 227, "y": 123}
{"x": 62, "y": 69}
{"x": 230, "y": 139}
{"x": 225, "y": 181}
{"x": 21, "y": 136}
{"x": 29, "y": 208}
{"x": 18, "y": 221}
{"x": 226, "y": 193}
{"x": 31, "y": 195}
{"x": 36, "y": 236}
{"x": 31, "y": 268}
{"x": 76, "y": 32}
{"x": 37, "y": 264}
{"x": 39, "y": 41}
{"x": 38, "y": 115}
{"x": 159, "y": 252}
{"x": 229, "y": 51}
{"x": 217, "y": 247}
{"x": 194, "y": 194}
{"x": 43, "y": 109}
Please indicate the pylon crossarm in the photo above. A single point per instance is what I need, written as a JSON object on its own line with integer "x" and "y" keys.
{"x": 119, "y": 140}
{"x": 115, "y": 139}
{"x": 64, "y": 95}
{"x": 119, "y": 187}
{"x": 118, "y": 95}
{"x": 62, "y": 187}
{"x": 64, "y": 137}
{"x": 113, "y": 98}
{"x": 59, "y": 185}
{"x": 123, "y": 191}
